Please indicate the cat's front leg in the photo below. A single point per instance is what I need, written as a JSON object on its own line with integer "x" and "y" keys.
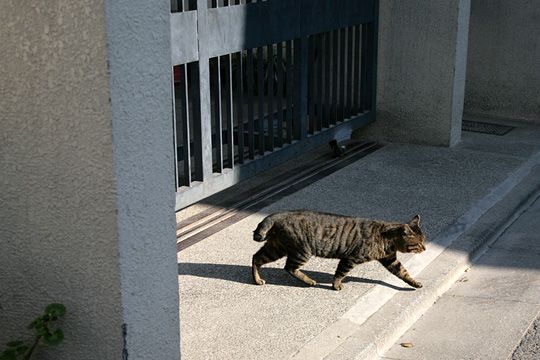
{"x": 344, "y": 267}
{"x": 393, "y": 265}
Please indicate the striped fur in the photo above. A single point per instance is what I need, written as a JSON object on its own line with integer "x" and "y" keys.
{"x": 299, "y": 235}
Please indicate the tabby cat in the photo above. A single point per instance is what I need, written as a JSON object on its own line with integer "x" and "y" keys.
{"x": 300, "y": 235}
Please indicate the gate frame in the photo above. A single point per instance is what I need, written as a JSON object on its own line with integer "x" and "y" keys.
{"x": 210, "y": 40}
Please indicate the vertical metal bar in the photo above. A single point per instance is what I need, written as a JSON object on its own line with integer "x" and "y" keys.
{"x": 203, "y": 127}
{"x": 342, "y": 71}
{"x": 327, "y": 80}
{"x": 175, "y": 131}
{"x": 357, "y": 69}
{"x": 184, "y": 98}
{"x": 300, "y": 124}
{"x": 239, "y": 108}
{"x": 335, "y": 68}
{"x": 290, "y": 90}
{"x": 270, "y": 98}
{"x": 348, "y": 107}
{"x": 229, "y": 111}
{"x": 251, "y": 100}
{"x": 218, "y": 142}
{"x": 260, "y": 90}
{"x": 311, "y": 83}
{"x": 279, "y": 61}
{"x": 320, "y": 86}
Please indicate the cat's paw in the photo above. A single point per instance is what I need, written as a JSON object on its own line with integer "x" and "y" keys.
{"x": 260, "y": 282}
{"x": 337, "y": 287}
{"x": 311, "y": 282}
{"x": 416, "y": 284}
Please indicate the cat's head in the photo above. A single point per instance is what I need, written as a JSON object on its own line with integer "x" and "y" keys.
{"x": 408, "y": 238}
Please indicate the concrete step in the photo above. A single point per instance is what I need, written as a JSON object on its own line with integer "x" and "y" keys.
{"x": 486, "y": 312}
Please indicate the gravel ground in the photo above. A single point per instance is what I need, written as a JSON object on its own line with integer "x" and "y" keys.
{"x": 529, "y": 348}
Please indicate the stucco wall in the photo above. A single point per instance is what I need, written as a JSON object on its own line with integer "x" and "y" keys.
{"x": 421, "y": 71}
{"x": 58, "y": 221}
{"x": 503, "y": 75}
{"x": 138, "y": 37}
{"x": 86, "y": 183}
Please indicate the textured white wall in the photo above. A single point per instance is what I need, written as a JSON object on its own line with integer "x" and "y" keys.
{"x": 86, "y": 182}
{"x": 503, "y": 76}
{"x": 421, "y": 71}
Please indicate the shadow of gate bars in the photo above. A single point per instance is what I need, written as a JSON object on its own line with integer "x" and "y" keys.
{"x": 259, "y": 82}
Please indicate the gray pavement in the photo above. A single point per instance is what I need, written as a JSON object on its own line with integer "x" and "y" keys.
{"x": 224, "y": 316}
{"x": 486, "y": 312}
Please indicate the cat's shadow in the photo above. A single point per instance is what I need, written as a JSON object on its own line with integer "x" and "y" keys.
{"x": 273, "y": 276}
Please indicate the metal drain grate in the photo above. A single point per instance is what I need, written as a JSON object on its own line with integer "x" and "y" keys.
{"x": 486, "y": 128}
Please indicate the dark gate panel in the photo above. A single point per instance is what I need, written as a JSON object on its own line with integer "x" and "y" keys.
{"x": 257, "y": 83}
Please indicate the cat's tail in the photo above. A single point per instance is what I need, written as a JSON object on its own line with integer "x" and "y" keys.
{"x": 263, "y": 228}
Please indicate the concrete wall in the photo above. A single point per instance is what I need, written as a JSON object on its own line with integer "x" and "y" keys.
{"x": 87, "y": 189}
{"x": 138, "y": 34}
{"x": 421, "y": 71}
{"x": 503, "y": 75}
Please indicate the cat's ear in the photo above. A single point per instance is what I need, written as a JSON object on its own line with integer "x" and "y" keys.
{"x": 415, "y": 221}
{"x": 407, "y": 229}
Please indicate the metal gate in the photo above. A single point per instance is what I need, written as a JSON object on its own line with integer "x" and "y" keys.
{"x": 258, "y": 82}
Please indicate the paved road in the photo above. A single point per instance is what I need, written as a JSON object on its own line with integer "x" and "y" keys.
{"x": 486, "y": 312}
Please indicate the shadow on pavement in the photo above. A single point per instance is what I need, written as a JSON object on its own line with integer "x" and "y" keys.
{"x": 242, "y": 274}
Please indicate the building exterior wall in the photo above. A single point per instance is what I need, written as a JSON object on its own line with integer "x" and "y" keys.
{"x": 503, "y": 75}
{"x": 87, "y": 190}
{"x": 421, "y": 71}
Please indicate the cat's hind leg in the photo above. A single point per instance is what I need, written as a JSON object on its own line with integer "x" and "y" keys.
{"x": 293, "y": 265}
{"x": 393, "y": 265}
{"x": 268, "y": 253}
{"x": 344, "y": 267}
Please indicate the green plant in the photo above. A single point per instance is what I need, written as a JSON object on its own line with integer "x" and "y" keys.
{"x": 44, "y": 334}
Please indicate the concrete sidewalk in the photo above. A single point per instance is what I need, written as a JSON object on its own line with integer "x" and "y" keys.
{"x": 224, "y": 316}
{"x": 487, "y": 311}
